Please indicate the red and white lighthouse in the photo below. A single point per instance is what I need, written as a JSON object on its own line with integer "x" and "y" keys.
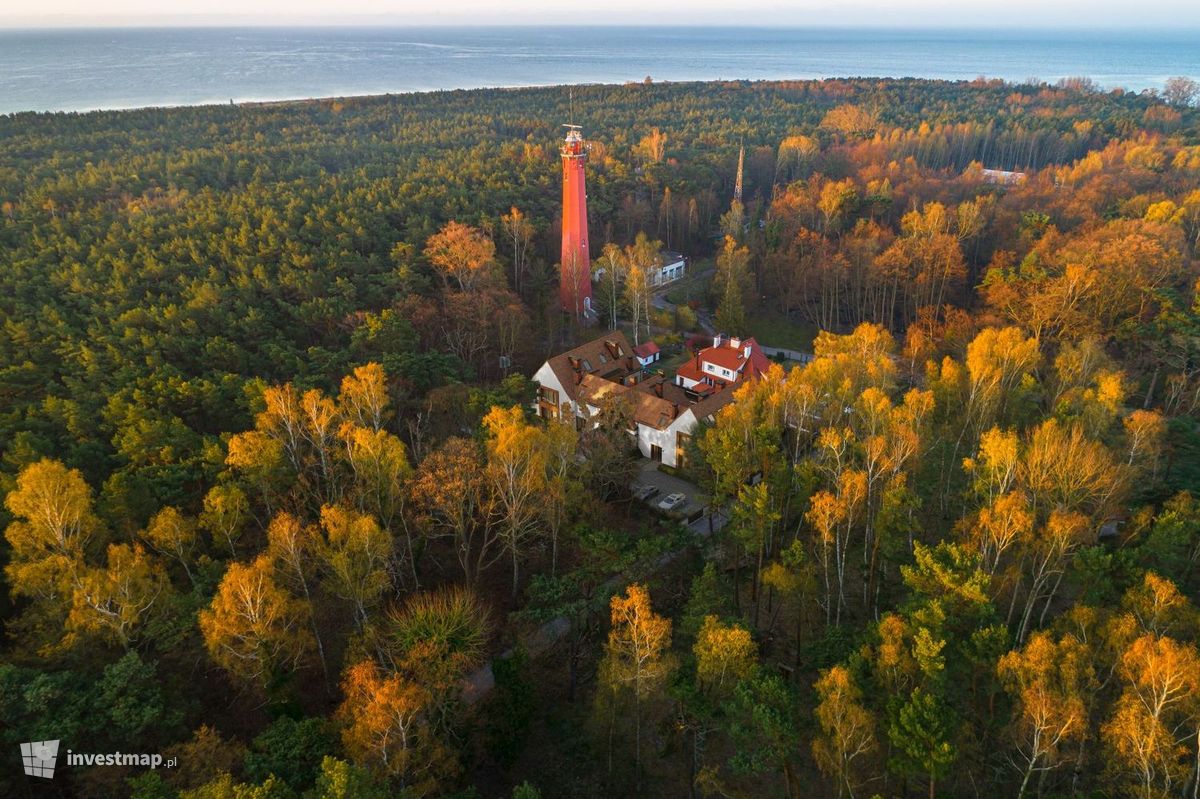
{"x": 575, "y": 277}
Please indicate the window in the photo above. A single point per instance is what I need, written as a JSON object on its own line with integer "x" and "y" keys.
{"x": 587, "y": 365}
{"x": 548, "y": 395}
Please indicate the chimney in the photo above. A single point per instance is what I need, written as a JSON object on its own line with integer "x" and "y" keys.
{"x": 735, "y": 342}
{"x": 747, "y": 351}
{"x": 658, "y": 389}
{"x": 674, "y": 410}
{"x": 717, "y": 340}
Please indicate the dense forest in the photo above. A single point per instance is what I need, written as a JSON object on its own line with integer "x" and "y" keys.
{"x": 276, "y": 504}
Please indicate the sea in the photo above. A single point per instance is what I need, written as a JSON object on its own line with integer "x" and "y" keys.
{"x": 67, "y": 69}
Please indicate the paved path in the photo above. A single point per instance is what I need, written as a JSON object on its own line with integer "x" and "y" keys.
{"x": 659, "y": 300}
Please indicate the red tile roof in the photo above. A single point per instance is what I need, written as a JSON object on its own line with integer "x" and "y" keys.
{"x": 692, "y": 371}
{"x": 646, "y": 350}
{"x": 759, "y": 361}
{"x": 596, "y": 370}
{"x": 726, "y": 356}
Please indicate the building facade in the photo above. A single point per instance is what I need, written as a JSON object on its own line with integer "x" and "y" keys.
{"x": 672, "y": 268}
{"x": 665, "y": 410}
{"x": 729, "y": 360}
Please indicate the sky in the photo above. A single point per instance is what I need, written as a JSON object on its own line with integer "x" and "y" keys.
{"x": 867, "y": 13}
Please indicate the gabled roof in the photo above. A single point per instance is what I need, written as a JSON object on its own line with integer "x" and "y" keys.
{"x": 594, "y": 371}
{"x": 646, "y": 350}
{"x": 759, "y": 361}
{"x": 692, "y": 371}
{"x": 593, "y": 389}
{"x": 735, "y": 359}
{"x": 655, "y": 411}
{"x": 648, "y": 408}
{"x": 609, "y": 358}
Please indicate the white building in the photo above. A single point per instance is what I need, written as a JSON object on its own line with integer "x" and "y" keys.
{"x": 671, "y": 267}
{"x": 647, "y": 353}
{"x": 729, "y": 360}
{"x": 577, "y": 382}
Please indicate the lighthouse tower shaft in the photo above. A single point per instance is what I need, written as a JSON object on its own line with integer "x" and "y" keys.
{"x": 575, "y": 284}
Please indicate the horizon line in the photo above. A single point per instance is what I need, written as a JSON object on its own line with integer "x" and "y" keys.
{"x": 394, "y": 21}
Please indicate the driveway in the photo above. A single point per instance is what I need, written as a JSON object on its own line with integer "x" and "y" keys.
{"x": 648, "y": 474}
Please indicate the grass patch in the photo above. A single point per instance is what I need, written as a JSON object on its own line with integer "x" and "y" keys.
{"x": 672, "y": 362}
{"x": 773, "y": 329}
{"x": 693, "y": 285}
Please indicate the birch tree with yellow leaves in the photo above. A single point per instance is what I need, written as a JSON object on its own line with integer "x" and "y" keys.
{"x": 1052, "y": 682}
{"x": 847, "y": 737}
{"x": 725, "y": 654}
{"x": 116, "y": 601}
{"x": 516, "y": 471}
{"x": 1154, "y": 733}
{"x": 386, "y": 727}
{"x": 637, "y": 661}
{"x": 356, "y": 555}
{"x": 254, "y": 628}
{"x": 53, "y": 530}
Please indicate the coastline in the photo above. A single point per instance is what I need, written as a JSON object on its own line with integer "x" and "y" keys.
{"x": 74, "y": 70}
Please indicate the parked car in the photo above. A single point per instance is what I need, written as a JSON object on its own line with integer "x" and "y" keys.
{"x": 644, "y": 492}
{"x": 672, "y": 501}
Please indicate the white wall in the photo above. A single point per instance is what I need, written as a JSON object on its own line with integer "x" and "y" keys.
{"x": 667, "y": 439}
{"x": 647, "y": 436}
{"x": 719, "y": 371}
{"x": 545, "y": 377}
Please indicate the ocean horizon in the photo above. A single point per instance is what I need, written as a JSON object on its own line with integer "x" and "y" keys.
{"x": 85, "y": 69}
